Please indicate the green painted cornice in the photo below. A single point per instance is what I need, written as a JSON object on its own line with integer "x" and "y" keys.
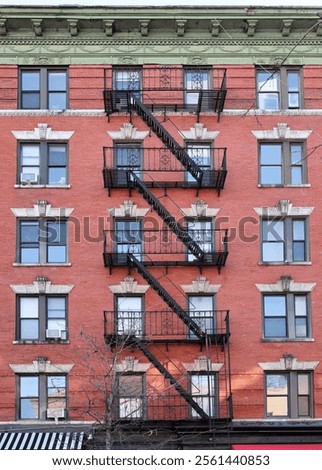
{"x": 104, "y": 35}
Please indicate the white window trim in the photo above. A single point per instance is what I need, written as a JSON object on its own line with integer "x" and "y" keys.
{"x": 199, "y": 209}
{"x": 37, "y": 288}
{"x": 42, "y": 132}
{"x": 128, "y": 132}
{"x": 128, "y": 286}
{"x": 199, "y": 132}
{"x": 283, "y": 208}
{"x": 294, "y": 287}
{"x": 131, "y": 364}
{"x": 296, "y": 365}
{"x": 41, "y": 367}
{"x": 200, "y": 286}
{"x": 282, "y": 132}
{"x": 128, "y": 209}
{"x": 42, "y": 210}
{"x": 202, "y": 363}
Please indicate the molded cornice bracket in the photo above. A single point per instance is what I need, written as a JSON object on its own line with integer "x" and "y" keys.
{"x": 109, "y": 27}
{"x": 144, "y": 27}
{"x": 286, "y": 27}
{"x": 215, "y": 27}
{"x": 37, "y": 26}
{"x": 181, "y": 27}
{"x": 3, "y": 27}
{"x": 250, "y": 27}
{"x": 73, "y": 27}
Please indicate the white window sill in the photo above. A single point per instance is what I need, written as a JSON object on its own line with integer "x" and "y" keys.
{"x": 287, "y": 340}
{"x": 42, "y": 264}
{"x": 283, "y": 185}
{"x": 36, "y": 341}
{"x": 37, "y": 186}
{"x": 283, "y": 263}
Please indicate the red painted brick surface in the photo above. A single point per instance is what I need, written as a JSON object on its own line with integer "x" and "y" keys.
{"x": 91, "y": 295}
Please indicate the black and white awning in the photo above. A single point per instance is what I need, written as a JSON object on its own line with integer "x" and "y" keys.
{"x": 41, "y": 440}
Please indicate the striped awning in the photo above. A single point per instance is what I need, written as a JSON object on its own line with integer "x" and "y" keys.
{"x": 40, "y": 440}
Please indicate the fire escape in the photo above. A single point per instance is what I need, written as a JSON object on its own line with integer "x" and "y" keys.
{"x": 175, "y": 244}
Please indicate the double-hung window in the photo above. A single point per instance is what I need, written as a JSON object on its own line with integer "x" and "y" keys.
{"x": 126, "y": 80}
{"x": 43, "y": 163}
{"x": 129, "y": 312}
{"x": 201, "y": 154}
{"x": 42, "y": 396}
{"x": 128, "y": 157}
{"x": 130, "y": 396}
{"x": 286, "y": 316}
{"x": 201, "y": 233}
{"x": 289, "y": 395}
{"x": 201, "y": 310}
{"x": 279, "y": 88}
{"x": 197, "y": 86}
{"x": 41, "y": 318}
{"x": 282, "y": 163}
{"x": 284, "y": 240}
{"x": 43, "y": 88}
{"x": 42, "y": 241}
{"x": 128, "y": 237}
{"x": 204, "y": 393}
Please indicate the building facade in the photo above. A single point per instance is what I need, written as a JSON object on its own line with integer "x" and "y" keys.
{"x": 160, "y": 270}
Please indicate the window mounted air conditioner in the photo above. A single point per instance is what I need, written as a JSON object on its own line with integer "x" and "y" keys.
{"x": 28, "y": 178}
{"x": 56, "y": 413}
{"x": 56, "y": 334}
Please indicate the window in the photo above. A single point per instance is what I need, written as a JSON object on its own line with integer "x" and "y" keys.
{"x": 201, "y": 232}
{"x": 43, "y": 163}
{"x": 126, "y": 80}
{"x": 195, "y": 80}
{"x": 282, "y": 164}
{"x": 130, "y": 396}
{"x": 279, "y": 89}
{"x": 129, "y": 312}
{"x": 289, "y": 395}
{"x": 284, "y": 240}
{"x": 203, "y": 391}
{"x": 41, "y": 317}
{"x": 43, "y": 88}
{"x": 42, "y": 241}
{"x": 201, "y": 310}
{"x": 128, "y": 157}
{"x": 286, "y": 316}
{"x": 128, "y": 237}
{"x": 42, "y": 396}
{"x": 201, "y": 155}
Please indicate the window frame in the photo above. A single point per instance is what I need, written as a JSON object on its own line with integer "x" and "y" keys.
{"x": 43, "y": 91}
{"x": 288, "y": 239}
{"x": 204, "y": 145}
{"x": 202, "y": 321}
{"x": 290, "y": 316}
{"x": 292, "y": 395}
{"x": 283, "y": 90}
{"x": 214, "y": 403}
{"x": 139, "y": 332}
{"x": 142, "y": 398}
{"x": 44, "y": 162}
{"x": 200, "y": 220}
{"x": 43, "y": 317}
{"x": 42, "y": 240}
{"x": 191, "y": 98}
{"x": 138, "y": 255}
{"x": 42, "y": 397}
{"x": 137, "y": 169}
{"x": 286, "y": 164}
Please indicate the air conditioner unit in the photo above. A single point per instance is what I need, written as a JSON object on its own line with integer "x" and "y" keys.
{"x": 28, "y": 178}
{"x": 56, "y": 334}
{"x": 56, "y": 413}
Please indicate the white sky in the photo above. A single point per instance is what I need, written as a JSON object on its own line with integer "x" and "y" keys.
{"x": 183, "y": 3}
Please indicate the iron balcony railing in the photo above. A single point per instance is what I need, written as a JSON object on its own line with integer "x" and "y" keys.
{"x": 158, "y": 167}
{"x": 166, "y": 326}
{"x": 162, "y": 87}
{"x": 163, "y": 248}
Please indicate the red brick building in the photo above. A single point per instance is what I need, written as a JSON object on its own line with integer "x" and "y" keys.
{"x": 161, "y": 226}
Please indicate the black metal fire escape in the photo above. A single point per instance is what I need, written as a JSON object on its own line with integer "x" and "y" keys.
{"x": 182, "y": 233}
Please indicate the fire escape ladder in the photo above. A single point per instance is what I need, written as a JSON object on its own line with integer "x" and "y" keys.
{"x": 181, "y": 232}
{"x": 179, "y": 152}
{"x": 169, "y": 377}
{"x": 175, "y": 307}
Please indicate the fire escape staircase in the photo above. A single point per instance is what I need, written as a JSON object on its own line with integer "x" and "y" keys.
{"x": 187, "y": 396}
{"x": 179, "y": 152}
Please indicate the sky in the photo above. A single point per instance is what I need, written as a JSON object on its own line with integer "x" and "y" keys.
{"x": 174, "y": 3}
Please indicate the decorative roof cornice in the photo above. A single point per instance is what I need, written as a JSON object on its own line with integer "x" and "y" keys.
{"x": 89, "y": 34}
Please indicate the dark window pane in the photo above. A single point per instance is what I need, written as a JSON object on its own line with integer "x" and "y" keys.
{"x": 57, "y": 155}
{"x": 56, "y": 232}
{"x": 30, "y": 100}
{"x": 29, "y": 232}
{"x": 275, "y": 328}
